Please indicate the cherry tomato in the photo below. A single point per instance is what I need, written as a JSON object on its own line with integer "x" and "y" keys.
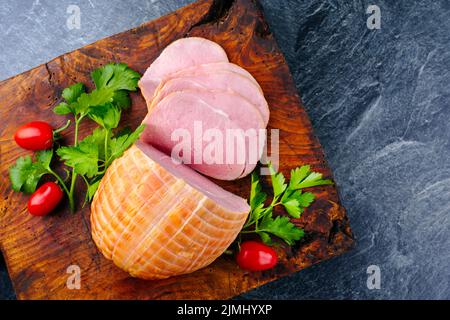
{"x": 35, "y": 135}
{"x": 45, "y": 199}
{"x": 256, "y": 256}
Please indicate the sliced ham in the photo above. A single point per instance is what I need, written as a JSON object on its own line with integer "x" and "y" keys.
{"x": 223, "y": 112}
{"x": 179, "y": 55}
{"x": 155, "y": 218}
{"x": 201, "y": 66}
{"x": 213, "y": 68}
{"x": 226, "y": 81}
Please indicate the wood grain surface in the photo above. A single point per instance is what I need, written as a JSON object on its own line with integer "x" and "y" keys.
{"x": 38, "y": 251}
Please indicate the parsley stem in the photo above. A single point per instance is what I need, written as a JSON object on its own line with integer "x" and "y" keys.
{"x": 72, "y": 189}
{"x": 85, "y": 181}
{"x": 74, "y": 175}
{"x": 256, "y": 231}
{"x": 250, "y": 231}
{"x": 77, "y": 122}
{"x": 60, "y": 180}
{"x": 64, "y": 127}
{"x": 106, "y": 145}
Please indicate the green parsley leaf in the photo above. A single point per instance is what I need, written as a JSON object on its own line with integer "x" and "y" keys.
{"x": 293, "y": 208}
{"x": 277, "y": 181}
{"x": 303, "y": 178}
{"x": 91, "y": 190}
{"x": 107, "y": 115}
{"x": 116, "y": 76}
{"x": 25, "y": 174}
{"x": 97, "y": 97}
{"x": 304, "y": 199}
{"x": 97, "y": 138}
{"x": 297, "y": 175}
{"x": 282, "y": 228}
{"x": 119, "y": 144}
{"x": 265, "y": 237}
{"x": 294, "y": 201}
{"x": 72, "y": 93}
{"x": 257, "y": 196}
{"x": 62, "y": 109}
{"x": 312, "y": 180}
{"x": 44, "y": 158}
{"x": 82, "y": 158}
{"x": 122, "y": 99}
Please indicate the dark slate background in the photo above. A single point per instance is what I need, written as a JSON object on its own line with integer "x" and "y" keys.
{"x": 378, "y": 100}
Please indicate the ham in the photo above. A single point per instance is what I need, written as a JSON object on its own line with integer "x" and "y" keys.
{"x": 179, "y": 55}
{"x": 218, "y": 112}
{"x": 196, "y": 66}
{"x": 226, "y": 81}
{"x": 155, "y": 218}
{"x": 213, "y": 68}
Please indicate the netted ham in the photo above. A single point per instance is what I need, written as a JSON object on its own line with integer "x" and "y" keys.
{"x": 155, "y": 218}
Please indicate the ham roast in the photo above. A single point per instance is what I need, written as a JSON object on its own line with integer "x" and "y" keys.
{"x": 155, "y": 217}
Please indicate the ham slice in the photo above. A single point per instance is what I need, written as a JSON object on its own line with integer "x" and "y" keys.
{"x": 179, "y": 55}
{"x": 213, "y": 68}
{"x": 227, "y": 81}
{"x": 220, "y": 112}
{"x": 155, "y": 218}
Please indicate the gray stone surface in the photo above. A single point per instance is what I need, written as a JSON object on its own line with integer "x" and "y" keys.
{"x": 378, "y": 100}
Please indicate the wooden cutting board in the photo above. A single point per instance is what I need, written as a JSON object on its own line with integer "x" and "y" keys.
{"x": 38, "y": 251}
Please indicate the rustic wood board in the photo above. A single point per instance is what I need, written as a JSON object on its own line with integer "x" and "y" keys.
{"x": 39, "y": 250}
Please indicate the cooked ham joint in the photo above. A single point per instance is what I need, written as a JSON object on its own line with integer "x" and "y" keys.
{"x": 155, "y": 218}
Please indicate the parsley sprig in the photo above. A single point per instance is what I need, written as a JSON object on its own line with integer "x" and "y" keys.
{"x": 90, "y": 157}
{"x": 289, "y": 195}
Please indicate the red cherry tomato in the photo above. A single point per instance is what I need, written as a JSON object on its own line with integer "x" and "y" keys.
{"x": 45, "y": 199}
{"x": 255, "y": 256}
{"x": 35, "y": 135}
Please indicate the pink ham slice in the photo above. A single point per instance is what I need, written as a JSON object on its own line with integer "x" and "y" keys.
{"x": 213, "y": 110}
{"x": 180, "y": 54}
{"x": 213, "y": 68}
{"x": 226, "y": 81}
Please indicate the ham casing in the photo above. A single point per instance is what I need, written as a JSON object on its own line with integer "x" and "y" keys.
{"x": 156, "y": 219}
